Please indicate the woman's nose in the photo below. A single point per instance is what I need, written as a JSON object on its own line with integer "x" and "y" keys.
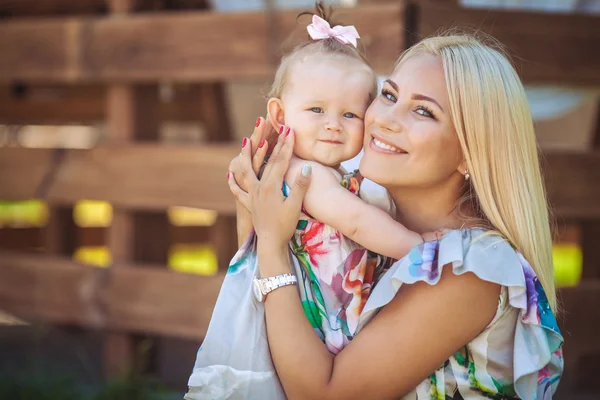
{"x": 387, "y": 120}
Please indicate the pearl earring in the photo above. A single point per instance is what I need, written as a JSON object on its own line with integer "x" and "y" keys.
{"x": 467, "y": 175}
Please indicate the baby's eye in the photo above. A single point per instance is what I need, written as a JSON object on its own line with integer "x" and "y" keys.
{"x": 350, "y": 115}
{"x": 317, "y": 110}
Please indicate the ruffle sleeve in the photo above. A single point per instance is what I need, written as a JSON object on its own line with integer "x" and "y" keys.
{"x": 537, "y": 354}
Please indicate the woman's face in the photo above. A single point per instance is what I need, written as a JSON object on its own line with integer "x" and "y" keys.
{"x": 410, "y": 140}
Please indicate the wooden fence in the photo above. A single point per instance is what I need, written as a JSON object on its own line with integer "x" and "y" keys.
{"x": 109, "y": 57}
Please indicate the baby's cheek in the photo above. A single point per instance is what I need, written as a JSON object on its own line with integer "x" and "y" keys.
{"x": 358, "y": 133}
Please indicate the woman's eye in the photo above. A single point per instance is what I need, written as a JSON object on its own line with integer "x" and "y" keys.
{"x": 388, "y": 95}
{"x": 350, "y": 115}
{"x": 424, "y": 112}
{"x": 317, "y": 110}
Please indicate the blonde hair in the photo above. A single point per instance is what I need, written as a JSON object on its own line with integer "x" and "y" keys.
{"x": 325, "y": 47}
{"x": 493, "y": 122}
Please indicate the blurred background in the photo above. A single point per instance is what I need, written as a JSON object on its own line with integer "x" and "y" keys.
{"x": 118, "y": 119}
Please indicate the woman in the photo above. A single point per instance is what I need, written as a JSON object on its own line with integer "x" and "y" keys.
{"x": 469, "y": 316}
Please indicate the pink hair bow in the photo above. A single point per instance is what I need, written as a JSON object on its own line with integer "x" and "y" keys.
{"x": 320, "y": 29}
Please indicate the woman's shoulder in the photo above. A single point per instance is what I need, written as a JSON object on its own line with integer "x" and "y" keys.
{"x": 484, "y": 253}
{"x": 537, "y": 352}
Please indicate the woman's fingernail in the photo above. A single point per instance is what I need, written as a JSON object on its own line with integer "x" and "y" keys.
{"x": 287, "y": 133}
{"x": 306, "y": 170}
{"x": 281, "y": 129}
{"x": 228, "y": 175}
{"x": 258, "y": 122}
{"x": 262, "y": 144}
{"x": 244, "y": 142}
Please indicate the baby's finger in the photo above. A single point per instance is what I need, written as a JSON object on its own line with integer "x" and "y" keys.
{"x": 279, "y": 160}
{"x": 275, "y": 154}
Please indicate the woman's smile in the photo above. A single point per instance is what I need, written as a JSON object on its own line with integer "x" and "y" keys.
{"x": 381, "y": 146}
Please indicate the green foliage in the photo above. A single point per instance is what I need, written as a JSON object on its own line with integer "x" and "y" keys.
{"x": 62, "y": 387}
{"x": 138, "y": 389}
{"x": 38, "y": 388}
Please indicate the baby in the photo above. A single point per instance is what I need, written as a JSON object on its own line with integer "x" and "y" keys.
{"x": 321, "y": 90}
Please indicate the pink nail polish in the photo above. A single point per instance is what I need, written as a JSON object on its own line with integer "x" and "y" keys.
{"x": 258, "y": 122}
{"x": 244, "y": 142}
{"x": 228, "y": 175}
{"x": 262, "y": 144}
{"x": 281, "y": 129}
{"x": 287, "y": 133}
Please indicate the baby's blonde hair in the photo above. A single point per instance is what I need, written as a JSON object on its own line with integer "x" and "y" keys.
{"x": 326, "y": 47}
{"x": 493, "y": 122}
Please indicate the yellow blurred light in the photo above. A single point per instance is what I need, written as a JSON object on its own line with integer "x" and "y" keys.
{"x": 23, "y": 213}
{"x": 92, "y": 213}
{"x": 193, "y": 259}
{"x": 188, "y": 216}
{"x": 568, "y": 263}
{"x": 91, "y": 255}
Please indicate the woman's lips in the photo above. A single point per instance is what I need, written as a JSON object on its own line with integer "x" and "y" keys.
{"x": 382, "y": 147}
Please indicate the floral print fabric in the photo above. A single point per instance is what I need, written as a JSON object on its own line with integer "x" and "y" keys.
{"x": 518, "y": 355}
{"x": 335, "y": 277}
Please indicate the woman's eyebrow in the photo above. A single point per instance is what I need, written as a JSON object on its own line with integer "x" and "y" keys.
{"x": 393, "y": 84}
{"x": 417, "y": 96}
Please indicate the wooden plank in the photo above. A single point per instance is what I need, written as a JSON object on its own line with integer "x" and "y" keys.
{"x": 132, "y": 115}
{"x": 21, "y": 104}
{"x": 213, "y": 113}
{"x": 20, "y": 178}
{"x": 566, "y": 53}
{"x": 165, "y": 302}
{"x": 579, "y": 318}
{"x": 122, "y": 124}
{"x": 19, "y": 8}
{"x": 86, "y": 104}
{"x": 182, "y": 176}
{"x": 54, "y": 43}
{"x": 590, "y": 230}
{"x": 215, "y": 119}
{"x": 128, "y": 299}
{"x": 28, "y": 8}
{"x": 21, "y": 239}
{"x": 579, "y": 322}
{"x": 192, "y": 46}
{"x": 573, "y": 183}
{"x": 32, "y": 238}
{"x": 194, "y": 176}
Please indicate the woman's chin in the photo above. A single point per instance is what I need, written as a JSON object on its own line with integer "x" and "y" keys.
{"x": 372, "y": 170}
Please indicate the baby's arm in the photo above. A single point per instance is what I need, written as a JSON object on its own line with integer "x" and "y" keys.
{"x": 327, "y": 201}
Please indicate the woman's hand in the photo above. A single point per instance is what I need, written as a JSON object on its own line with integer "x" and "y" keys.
{"x": 253, "y": 153}
{"x": 274, "y": 216}
{"x": 255, "y": 149}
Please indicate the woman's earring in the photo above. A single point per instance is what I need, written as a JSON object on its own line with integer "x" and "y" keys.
{"x": 467, "y": 175}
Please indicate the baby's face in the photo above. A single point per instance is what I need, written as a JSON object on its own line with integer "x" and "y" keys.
{"x": 325, "y": 101}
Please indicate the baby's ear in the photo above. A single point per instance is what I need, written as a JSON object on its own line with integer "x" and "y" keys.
{"x": 276, "y": 113}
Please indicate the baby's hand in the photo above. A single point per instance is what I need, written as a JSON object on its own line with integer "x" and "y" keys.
{"x": 435, "y": 235}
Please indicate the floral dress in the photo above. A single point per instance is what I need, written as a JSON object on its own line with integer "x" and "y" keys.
{"x": 335, "y": 277}
{"x": 518, "y": 355}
